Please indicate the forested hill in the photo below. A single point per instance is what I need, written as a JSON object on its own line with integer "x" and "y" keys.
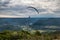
{"x": 47, "y": 23}
{"x": 35, "y": 23}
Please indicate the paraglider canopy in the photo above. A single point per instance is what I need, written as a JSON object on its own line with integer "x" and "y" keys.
{"x": 34, "y": 9}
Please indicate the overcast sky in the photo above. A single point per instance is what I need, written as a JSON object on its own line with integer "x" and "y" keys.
{"x": 18, "y": 8}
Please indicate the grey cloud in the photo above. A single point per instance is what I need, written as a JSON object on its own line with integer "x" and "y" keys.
{"x": 4, "y": 3}
{"x": 57, "y": 11}
{"x": 17, "y": 9}
{"x": 42, "y": 10}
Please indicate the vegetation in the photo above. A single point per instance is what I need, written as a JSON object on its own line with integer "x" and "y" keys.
{"x": 25, "y": 35}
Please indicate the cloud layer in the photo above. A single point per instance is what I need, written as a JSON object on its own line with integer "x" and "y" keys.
{"x": 18, "y": 8}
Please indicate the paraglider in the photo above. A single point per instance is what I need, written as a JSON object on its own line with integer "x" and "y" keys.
{"x": 34, "y": 9}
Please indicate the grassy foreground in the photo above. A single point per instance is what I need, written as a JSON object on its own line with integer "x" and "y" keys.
{"x": 25, "y": 35}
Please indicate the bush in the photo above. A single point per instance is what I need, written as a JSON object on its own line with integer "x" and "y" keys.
{"x": 37, "y": 33}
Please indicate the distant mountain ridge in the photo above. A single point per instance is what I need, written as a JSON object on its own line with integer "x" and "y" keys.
{"x": 33, "y": 23}
{"x": 47, "y": 23}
